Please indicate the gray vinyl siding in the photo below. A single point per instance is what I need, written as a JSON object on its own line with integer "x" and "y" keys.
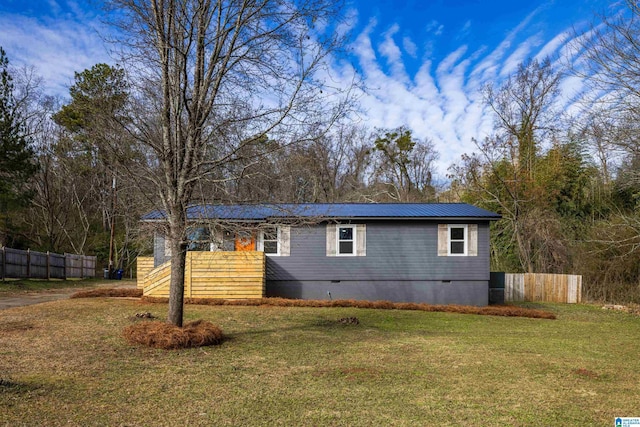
{"x": 401, "y": 265}
{"x": 431, "y": 292}
{"x": 158, "y": 250}
{"x": 396, "y": 251}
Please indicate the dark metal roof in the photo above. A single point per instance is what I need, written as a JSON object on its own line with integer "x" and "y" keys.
{"x": 263, "y": 212}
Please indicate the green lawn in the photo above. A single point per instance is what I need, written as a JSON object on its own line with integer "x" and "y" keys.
{"x": 66, "y": 363}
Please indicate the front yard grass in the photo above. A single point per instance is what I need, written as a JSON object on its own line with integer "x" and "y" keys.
{"x": 66, "y": 363}
{"x": 17, "y": 286}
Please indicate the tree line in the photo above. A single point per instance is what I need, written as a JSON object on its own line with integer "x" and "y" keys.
{"x": 228, "y": 102}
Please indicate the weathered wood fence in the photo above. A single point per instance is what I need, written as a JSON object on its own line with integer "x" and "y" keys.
{"x": 539, "y": 287}
{"x": 19, "y": 264}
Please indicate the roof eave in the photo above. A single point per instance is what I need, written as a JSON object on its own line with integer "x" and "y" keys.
{"x": 415, "y": 218}
{"x": 339, "y": 218}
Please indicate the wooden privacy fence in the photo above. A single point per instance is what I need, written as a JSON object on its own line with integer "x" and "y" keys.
{"x": 540, "y": 287}
{"x": 144, "y": 265}
{"x": 226, "y": 275}
{"x": 19, "y": 264}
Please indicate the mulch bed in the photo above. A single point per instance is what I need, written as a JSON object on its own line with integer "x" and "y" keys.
{"x": 169, "y": 337}
{"x": 495, "y": 310}
{"x": 109, "y": 292}
{"x": 492, "y": 310}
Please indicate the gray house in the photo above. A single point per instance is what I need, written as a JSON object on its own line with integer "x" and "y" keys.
{"x": 436, "y": 253}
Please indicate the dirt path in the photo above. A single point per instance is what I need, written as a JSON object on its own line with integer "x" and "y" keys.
{"x": 19, "y": 299}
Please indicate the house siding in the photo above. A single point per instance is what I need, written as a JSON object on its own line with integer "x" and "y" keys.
{"x": 418, "y": 291}
{"x": 402, "y": 264}
{"x": 159, "y": 256}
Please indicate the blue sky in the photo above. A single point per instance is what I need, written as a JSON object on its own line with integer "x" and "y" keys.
{"x": 423, "y": 61}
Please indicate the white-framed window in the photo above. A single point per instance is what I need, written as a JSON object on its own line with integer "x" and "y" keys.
{"x": 275, "y": 240}
{"x": 198, "y": 238}
{"x": 457, "y": 240}
{"x": 346, "y": 240}
{"x": 269, "y": 241}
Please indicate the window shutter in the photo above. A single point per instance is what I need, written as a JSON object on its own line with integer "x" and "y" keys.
{"x": 361, "y": 240}
{"x": 443, "y": 239}
{"x": 285, "y": 240}
{"x": 472, "y": 249}
{"x": 216, "y": 241}
{"x": 332, "y": 235}
{"x": 167, "y": 247}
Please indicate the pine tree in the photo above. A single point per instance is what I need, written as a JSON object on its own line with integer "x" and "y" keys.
{"x": 17, "y": 163}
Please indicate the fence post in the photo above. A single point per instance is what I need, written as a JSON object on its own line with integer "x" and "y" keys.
{"x": 65, "y": 267}
{"x": 28, "y": 263}
{"x": 4, "y": 263}
{"x": 48, "y": 266}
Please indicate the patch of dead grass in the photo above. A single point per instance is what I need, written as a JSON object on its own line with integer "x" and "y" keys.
{"x": 498, "y": 310}
{"x": 199, "y": 333}
{"x": 16, "y": 326}
{"x": 582, "y": 372}
{"x": 349, "y": 321}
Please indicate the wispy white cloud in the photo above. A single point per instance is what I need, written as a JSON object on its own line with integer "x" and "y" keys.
{"x": 443, "y": 101}
{"x": 56, "y": 49}
{"x": 391, "y": 51}
{"x": 464, "y": 31}
{"x": 410, "y": 47}
{"x": 349, "y": 22}
{"x": 435, "y": 27}
{"x": 551, "y": 48}
{"x": 54, "y": 6}
{"x": 489, "y": 67}
{"x": 520, "y": 54}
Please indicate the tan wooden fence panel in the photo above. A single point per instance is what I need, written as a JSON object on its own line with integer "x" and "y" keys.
{"x": 224, "y": 275}
{"x": 156, "y": 282}
{"x": 538, "y": 287}
{"x": 144, "y": 264}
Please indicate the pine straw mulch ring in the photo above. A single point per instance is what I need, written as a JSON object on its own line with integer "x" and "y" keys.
{"x": 199, "y": 333}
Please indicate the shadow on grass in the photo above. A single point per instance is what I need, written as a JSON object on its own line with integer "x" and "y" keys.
{"x": 8, "y": 386}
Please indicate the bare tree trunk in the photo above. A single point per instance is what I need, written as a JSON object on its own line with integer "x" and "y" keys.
{"x": 176, "y": 287}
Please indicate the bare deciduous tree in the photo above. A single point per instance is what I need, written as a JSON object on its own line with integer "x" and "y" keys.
{"x": 215, "y": 77}
{"x": 523, "y": 109}
{"x": 403, "y": 165}
{"x": 502, "y": 174}
{"x": 607, "y": 57}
